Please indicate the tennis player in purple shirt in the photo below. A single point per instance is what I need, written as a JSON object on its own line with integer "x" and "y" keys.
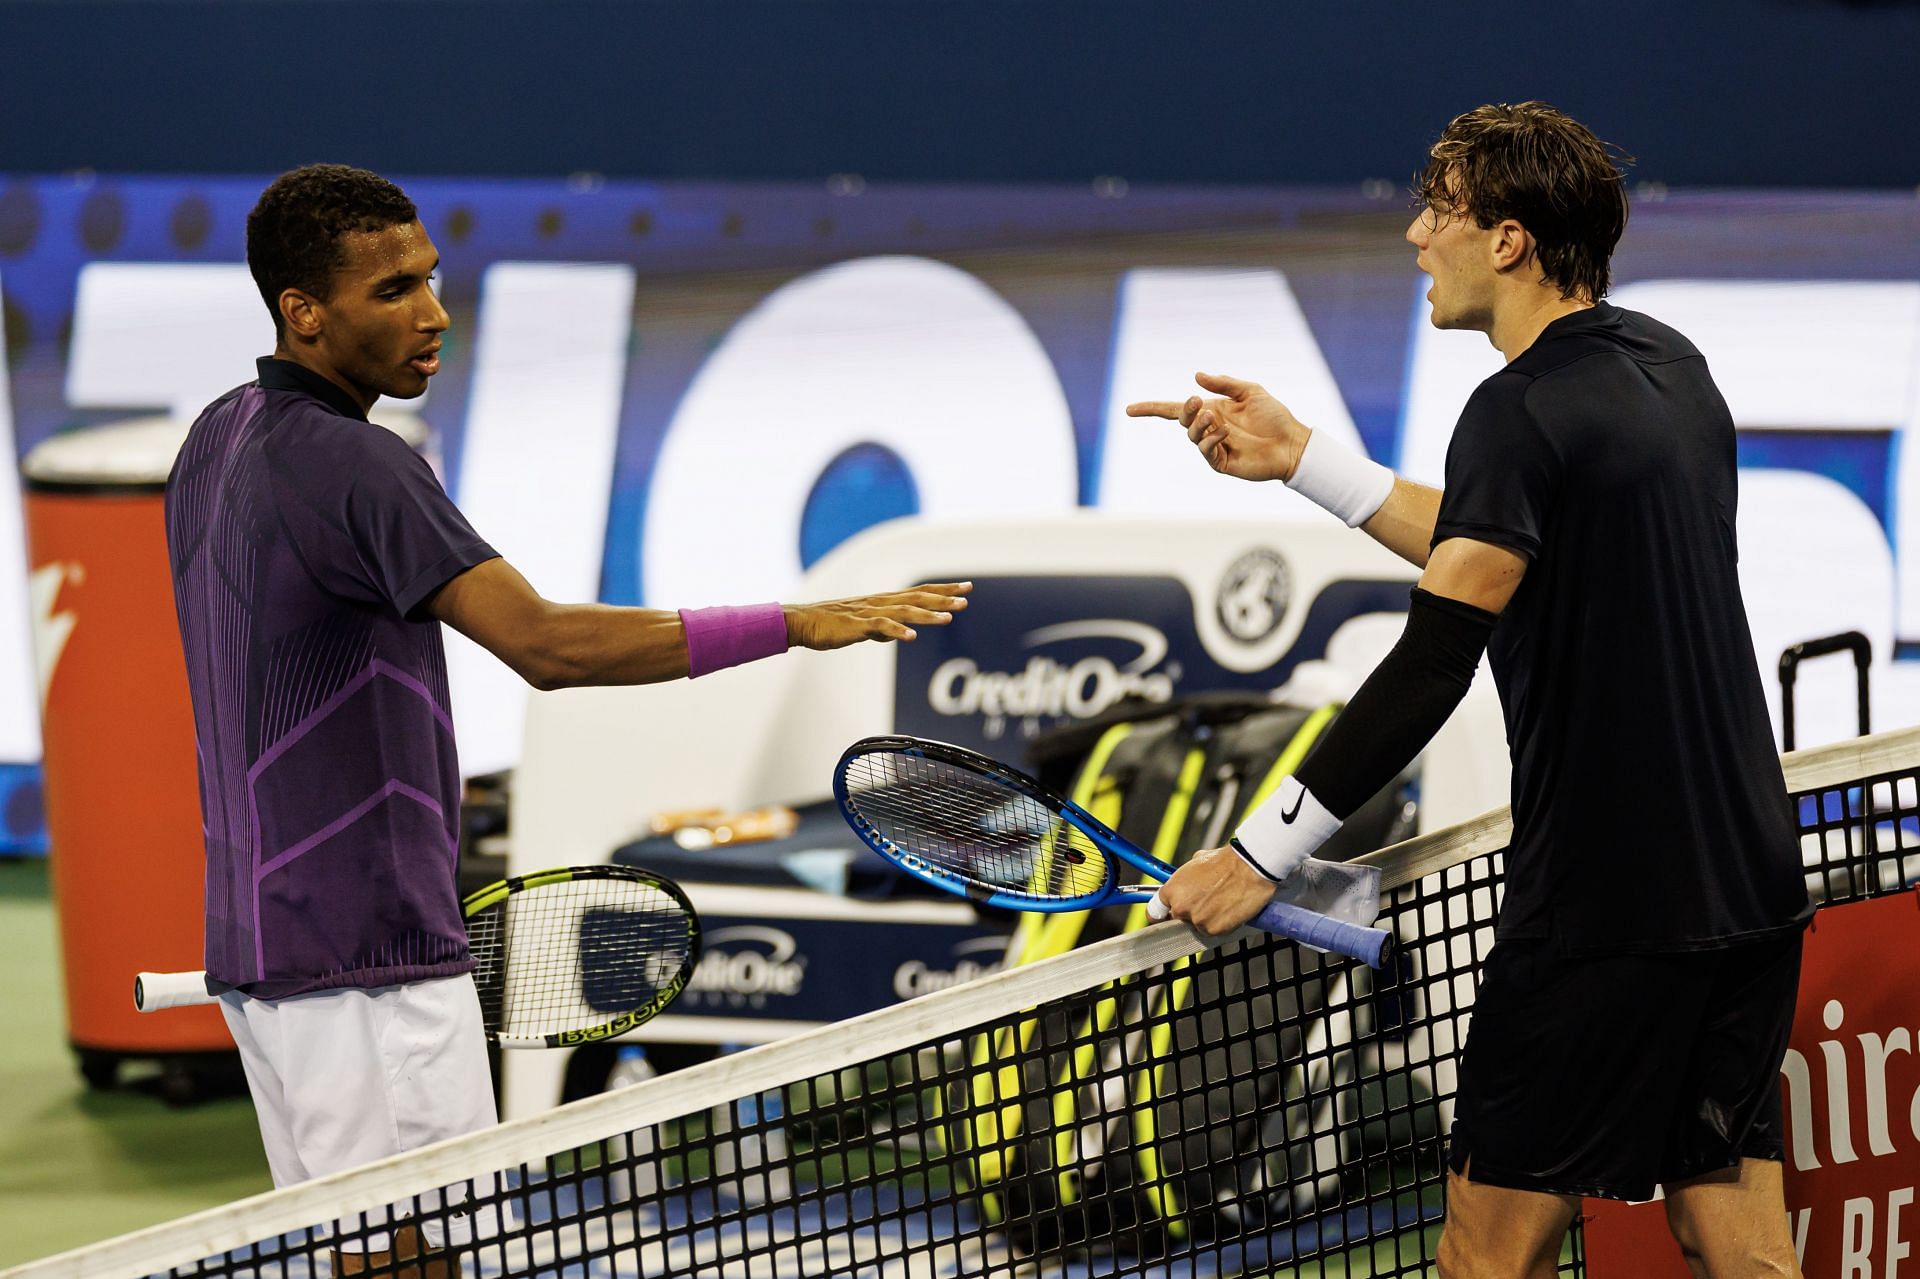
{"x": 314, "y": 557}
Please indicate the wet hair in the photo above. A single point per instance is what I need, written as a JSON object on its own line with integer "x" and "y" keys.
{"x": 1546, "y": 171}
{"x": 294, "y": 231}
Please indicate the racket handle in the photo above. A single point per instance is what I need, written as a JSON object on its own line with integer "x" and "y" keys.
{"x": 154, "y": 991}
{"x": 1370, "y": 946}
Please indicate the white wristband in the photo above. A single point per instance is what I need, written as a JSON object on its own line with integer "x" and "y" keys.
{"x": 1349, "y": 484}
{"x": 1283, "y": 832}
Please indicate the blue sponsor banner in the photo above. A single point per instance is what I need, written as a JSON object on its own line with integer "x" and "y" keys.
{"x": 788, "y": 960}
{"x": 933, "y": 348}
{"x": 827, "y": 970}
{"x": 1070, "y": 648}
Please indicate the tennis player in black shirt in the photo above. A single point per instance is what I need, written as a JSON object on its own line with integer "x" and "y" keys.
{"x": 1634, "y": 1011}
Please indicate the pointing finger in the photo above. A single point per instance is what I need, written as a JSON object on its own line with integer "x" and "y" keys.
{"x": 1154, "y": 408}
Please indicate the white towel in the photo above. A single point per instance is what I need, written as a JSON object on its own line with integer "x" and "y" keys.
{"x": 1340, "y": 889}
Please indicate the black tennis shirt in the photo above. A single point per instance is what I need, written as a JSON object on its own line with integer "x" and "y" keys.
{"x": 1649, "y": 810}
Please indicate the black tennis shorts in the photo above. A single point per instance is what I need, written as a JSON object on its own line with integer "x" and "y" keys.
{"x": 1610, "y": 1075}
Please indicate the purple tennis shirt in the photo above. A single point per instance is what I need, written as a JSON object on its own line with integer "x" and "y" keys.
{"x": 304, "y": 543}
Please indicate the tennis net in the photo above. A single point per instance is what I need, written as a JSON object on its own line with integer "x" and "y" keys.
{"x": 1133, "y": 1108}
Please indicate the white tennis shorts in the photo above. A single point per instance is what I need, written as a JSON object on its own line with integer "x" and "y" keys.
{"x": 344, "y": 1077}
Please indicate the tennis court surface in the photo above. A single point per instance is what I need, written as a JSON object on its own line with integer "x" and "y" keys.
{"x": 1130, "y": 1108}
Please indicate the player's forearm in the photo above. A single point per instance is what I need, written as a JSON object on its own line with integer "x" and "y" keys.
{"x": 1389, "y": 720}
{"x": 1405, "y": 521}
{"x": 581, "y": 645}
{"x": 553, "y": 645}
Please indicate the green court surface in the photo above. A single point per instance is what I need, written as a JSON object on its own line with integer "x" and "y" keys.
{"x": 78, "y": 1165}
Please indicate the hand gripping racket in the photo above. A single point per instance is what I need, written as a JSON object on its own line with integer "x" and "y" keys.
{"x": 561, "y": 957}
{"x": 969, "y": 824}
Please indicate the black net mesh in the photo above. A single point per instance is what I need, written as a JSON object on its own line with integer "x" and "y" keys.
{"x": 1245, "y": 1111}
{"x": 1861, "y": 839}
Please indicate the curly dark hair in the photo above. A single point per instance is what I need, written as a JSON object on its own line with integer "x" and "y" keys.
{"x": 1545, "y": 170}
{"x": 293, "y": 232}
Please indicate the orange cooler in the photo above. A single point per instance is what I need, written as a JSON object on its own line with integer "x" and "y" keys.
{"x": 122, "y": 786}
{"x": 123, "y": 804}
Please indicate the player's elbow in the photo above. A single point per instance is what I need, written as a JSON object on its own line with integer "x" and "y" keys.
{"x": 543, "y": 653}
{"x": 543, "y": 678}
{"x": 549, "y": 668}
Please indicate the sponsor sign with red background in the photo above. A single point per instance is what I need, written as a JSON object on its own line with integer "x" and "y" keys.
{"x": 1851, "y": 1088}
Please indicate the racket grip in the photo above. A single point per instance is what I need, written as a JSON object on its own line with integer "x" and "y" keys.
{"x": 154, "y": 991}
{"x": 1370, "y": 946}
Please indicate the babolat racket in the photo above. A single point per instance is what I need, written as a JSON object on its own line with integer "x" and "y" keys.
{"x": 561, "y": 957}
{"x": 969, "y": 824}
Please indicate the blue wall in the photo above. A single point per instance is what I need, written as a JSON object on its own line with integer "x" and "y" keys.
{"x": 1762, "y": 93}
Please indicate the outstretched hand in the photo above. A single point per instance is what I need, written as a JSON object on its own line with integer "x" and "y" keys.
{"x": 892, "y": 616}
{"x": 1245, "y": 432}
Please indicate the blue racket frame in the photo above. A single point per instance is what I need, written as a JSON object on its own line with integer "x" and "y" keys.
{"x": 1371, "y": 946}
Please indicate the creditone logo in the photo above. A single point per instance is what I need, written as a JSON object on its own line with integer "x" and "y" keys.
{"x": 743, "y": 965}
{"x": 1052, "y": 687}
{"x": 917, "y": 977}
{"x": 1253, "y": 595}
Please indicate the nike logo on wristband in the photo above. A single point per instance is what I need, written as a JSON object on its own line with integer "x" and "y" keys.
{"x": 1253, "y": 861}
{"x": 1288, "y": 814}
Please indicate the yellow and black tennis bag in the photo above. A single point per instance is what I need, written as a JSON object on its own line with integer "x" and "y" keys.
{"x": 1071, "y": 1148}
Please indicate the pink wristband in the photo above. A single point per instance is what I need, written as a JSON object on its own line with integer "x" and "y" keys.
{"x": 731, "y": 634}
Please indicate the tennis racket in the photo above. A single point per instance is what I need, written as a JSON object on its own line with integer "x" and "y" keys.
{"x": 969, "y": 824}
{"x": 561, "y": 957}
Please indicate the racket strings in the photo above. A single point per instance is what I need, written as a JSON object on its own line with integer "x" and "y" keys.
{"x": 574, "y": 954}
{"x": 973, "y": 827}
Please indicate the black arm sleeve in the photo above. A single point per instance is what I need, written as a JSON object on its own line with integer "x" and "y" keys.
{"x": 1402, "y": 704}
